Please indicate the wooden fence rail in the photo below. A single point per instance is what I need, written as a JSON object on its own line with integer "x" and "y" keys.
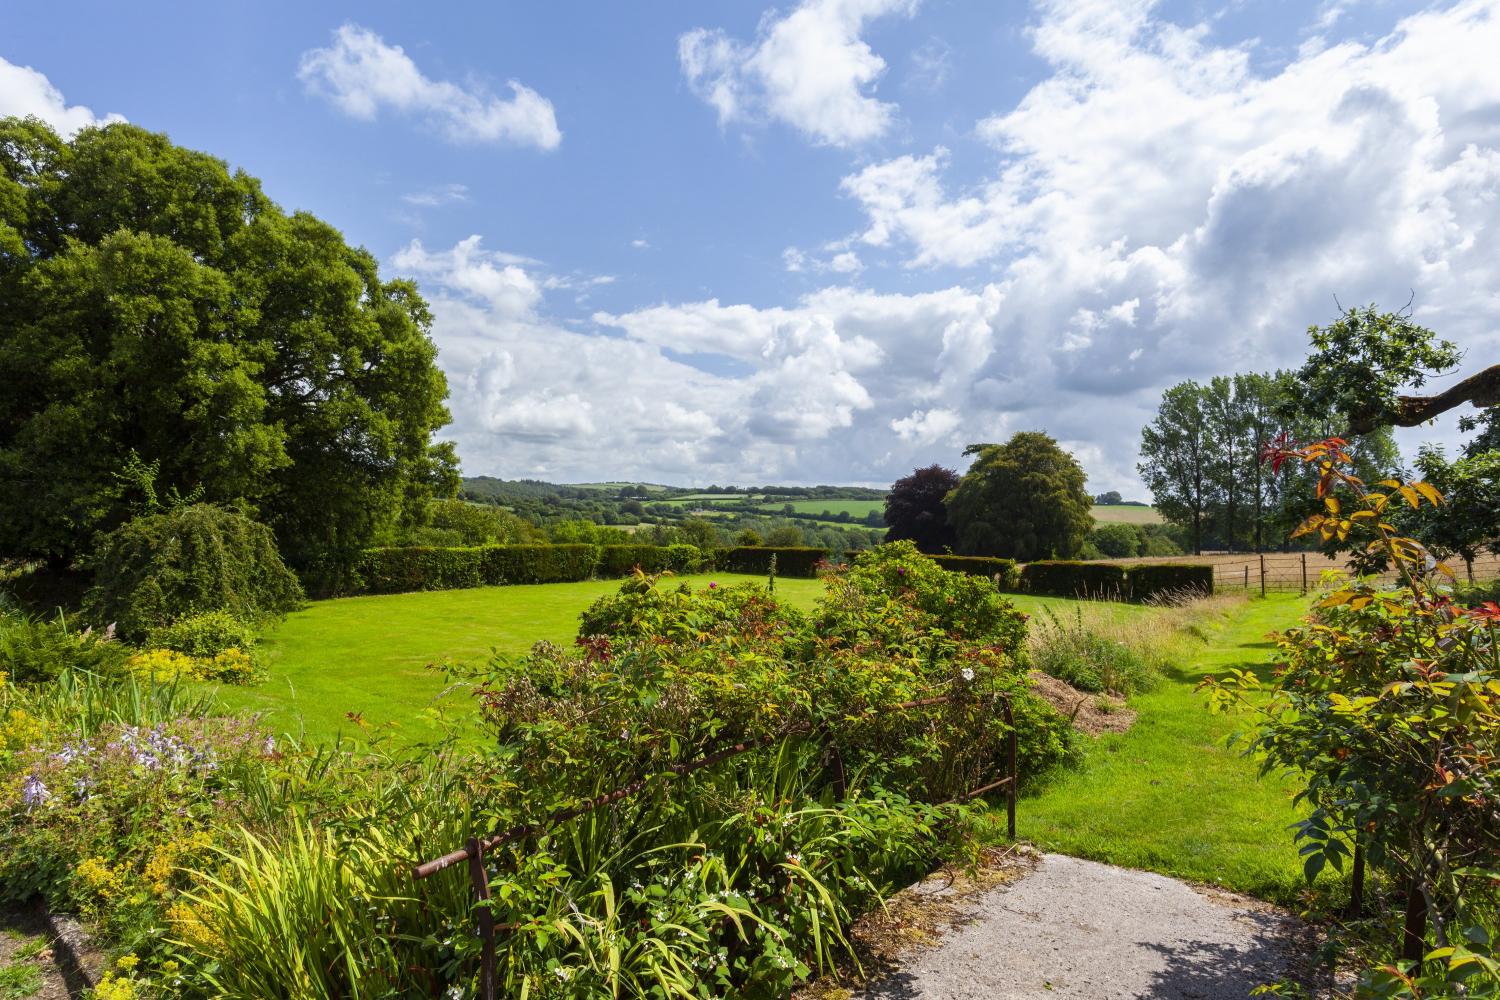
{"x": 476, "y": 849}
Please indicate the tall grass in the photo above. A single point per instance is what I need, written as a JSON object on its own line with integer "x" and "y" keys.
{"x": 1097, "y": 648}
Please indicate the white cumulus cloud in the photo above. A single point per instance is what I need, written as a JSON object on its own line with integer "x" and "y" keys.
{"x": 809, "y": 69}
{"x": 361, "y": 75}
{"x": 25, "y": 91}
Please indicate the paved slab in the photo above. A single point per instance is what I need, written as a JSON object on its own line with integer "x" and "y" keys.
{"x": 1081, "y": 929}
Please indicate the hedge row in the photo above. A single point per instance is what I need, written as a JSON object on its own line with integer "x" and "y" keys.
{"x": 397, "y": 570}
{"x": 989, "y": 566}
{"x": 1061, "y": 578}
{"x": 790, "y": 561}
{"x": 622, "y": 560}
{"x": 1151, "y": 580}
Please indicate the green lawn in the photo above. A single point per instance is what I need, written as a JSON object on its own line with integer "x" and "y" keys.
{"x": 370, "y": 655}
{"x": 1167, "y": 795}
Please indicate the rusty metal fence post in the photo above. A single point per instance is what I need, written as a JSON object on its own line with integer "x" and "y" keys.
{"x": 486, "y": 918}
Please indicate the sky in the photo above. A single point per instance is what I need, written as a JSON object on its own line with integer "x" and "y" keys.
{"x": 833, "y": 240}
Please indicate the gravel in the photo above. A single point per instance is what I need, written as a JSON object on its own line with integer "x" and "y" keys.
{"x": 1077, "y": 928}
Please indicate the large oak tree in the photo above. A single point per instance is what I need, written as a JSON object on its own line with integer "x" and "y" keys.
{"x": 158, "y": 305}
{"x": 1023, "y": 500}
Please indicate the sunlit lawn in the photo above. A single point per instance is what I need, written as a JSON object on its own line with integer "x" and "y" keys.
{"x": 1168, "y": 795}
{"x": 374, "y": 656}
{"x": 371, "y": 655}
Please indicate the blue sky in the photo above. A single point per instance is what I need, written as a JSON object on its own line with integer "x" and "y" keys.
{"x": 827, "y": 241}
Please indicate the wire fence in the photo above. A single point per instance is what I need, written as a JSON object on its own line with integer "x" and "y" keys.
{"x": 1267, "y": 572}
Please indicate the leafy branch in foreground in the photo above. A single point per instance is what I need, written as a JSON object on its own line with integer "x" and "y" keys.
{"x": 1387, "y": 703}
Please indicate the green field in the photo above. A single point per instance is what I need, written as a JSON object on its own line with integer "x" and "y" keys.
{"x": 856, "y": 509}
{"x": 1167, "y": 795}
{"x": 375, "y": 655}
{"x": 1125, "y": 513}
{"x": 371, "y": 655}
{"x": 699, "y": 499}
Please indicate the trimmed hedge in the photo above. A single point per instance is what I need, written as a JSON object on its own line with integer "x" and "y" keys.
{"x": 1151, "y": 580}
{"x": 539, "y": 563}
{"x": 790, "y": 561}
{"x": 622, "y": 560}
{"x": 1062, "y": 578}
{"x": 412, "y": 567}
{"x": 400, "y": 569}
{"x": 989, "y": 566}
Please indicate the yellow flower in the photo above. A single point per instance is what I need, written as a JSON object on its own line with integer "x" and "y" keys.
{"x": 20, "y": 730}
{"x": 111, "y": 988}
{"x": 127, "y": 963}
{"x": 167, "y": 857}
{"x": 191, "y": 929}
{"x": 165, "y": 665}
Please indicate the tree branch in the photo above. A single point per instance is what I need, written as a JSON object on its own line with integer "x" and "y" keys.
{"x": 1481, "y": 389}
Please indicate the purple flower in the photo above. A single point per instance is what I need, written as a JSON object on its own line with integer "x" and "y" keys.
{"x": 712, "y": 585}
{"x": 33, "y": 792}
{"x": 900, "y": 570}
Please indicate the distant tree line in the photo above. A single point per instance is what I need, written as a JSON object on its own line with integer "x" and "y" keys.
{"x": 1200, "y": 458}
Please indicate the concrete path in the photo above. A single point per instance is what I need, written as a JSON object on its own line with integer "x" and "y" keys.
{"x": 1080, "y": 929}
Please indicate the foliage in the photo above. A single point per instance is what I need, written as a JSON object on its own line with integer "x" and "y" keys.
{"x": 159, "y": 306}
{"x": 398, "y": 570}
{"x": 158, "y": 568}
{"x": 790, "y": 561}
{"x": 228, "y": 666}
{"x": 1117, "y": 541}
{"x": 1469, "y": 519}
{"x": 916, "y": 509}
{"x": 207, "y": 633}
{"x": 1388, "y": 705}
{"x": 622, "y": 560}
{"x": 1200, "y": 459}
{"x": 1062, "y": 578}
{"x": 459, "y": 523}
{"x": 1021, "y": 500}
{"x": 1361, "y": 362}
{"x": 33, "y": 648}
{"x": 660, "y": 676}
{"x": 1175, "y": 459}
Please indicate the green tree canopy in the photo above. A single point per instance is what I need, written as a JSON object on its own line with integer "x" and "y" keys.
{"x": 1024, "y": 499}
{"x": 159, "y": 306}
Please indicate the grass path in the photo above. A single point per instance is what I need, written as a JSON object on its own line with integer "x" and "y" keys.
{"x": 1167, "y": 795}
